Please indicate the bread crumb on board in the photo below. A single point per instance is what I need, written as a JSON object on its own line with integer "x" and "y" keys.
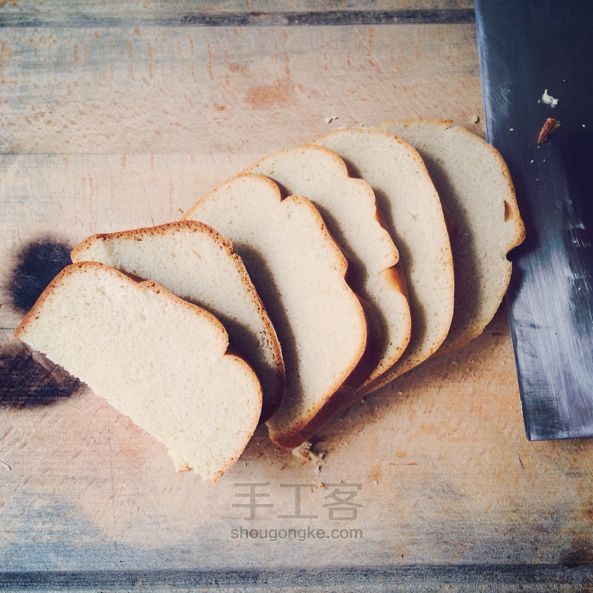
{"x": 181, "y": 466}
{"x": 475, "y": 119}
{"x": 330, "y": 119}
{"x": 548, "y": 99}
{"x": 549, "y": 127}
{"x": 306, "y": 453}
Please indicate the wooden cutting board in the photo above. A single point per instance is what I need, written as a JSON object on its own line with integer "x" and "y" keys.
{"x": 120, "y": 115}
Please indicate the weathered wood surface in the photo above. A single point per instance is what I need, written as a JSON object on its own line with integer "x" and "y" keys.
{"x": 111, "y": 128}
{"x": 210, "y": 91}
{"x": 230, "y": 12}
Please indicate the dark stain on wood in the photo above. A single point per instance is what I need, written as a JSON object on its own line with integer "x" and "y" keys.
{"x": 29, "y": 379}
{"x": 580, "y": 554}
{"x": 276, "y": 93}
{"x": 266, "y": 95}
{"x": 130, "y": 18}
{"x": 37, "y": 264}
{"x": 420, "y": 578}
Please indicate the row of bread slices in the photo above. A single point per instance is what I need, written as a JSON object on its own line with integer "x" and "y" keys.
{"x": 334, "y": 267}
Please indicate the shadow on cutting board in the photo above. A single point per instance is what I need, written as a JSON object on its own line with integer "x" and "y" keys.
{"x": 38, "y": 263}
{"x": 29, "y": 379}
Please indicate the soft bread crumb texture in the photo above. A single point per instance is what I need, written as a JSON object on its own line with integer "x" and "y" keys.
{"x": 298, "y": 271}
{"x": 152, "y": 356}
{"x": 482, "y": 216}
{"x": 305, "y": 452}
{"x": 547, "y": 99}
{"x": 197, "y": 264}
{"x": 349, "y": 209}
{"x": 412, "y": 212}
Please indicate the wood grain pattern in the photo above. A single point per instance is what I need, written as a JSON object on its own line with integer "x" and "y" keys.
{"x": 233, "y": 91}
{"x": 112, "y": 128}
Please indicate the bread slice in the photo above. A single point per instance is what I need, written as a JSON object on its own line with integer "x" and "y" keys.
{"x": 483, "y": 218}
{"x": 349, "y": 209}
{"x": 152, "y": 356}
{"x": 197, "y": 264}
{"x": 413, "y": 215}
{"x": 299, "y": 272}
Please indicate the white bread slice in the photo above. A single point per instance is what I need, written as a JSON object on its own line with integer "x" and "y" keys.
{"x": 411, "y": 211}
{"x": 299, "y": 272}
{"x": 152, "y": 356}
{"x": 349, "y": 210}
{"x": 482, "y": 215}
{"x": 197, "y": 264}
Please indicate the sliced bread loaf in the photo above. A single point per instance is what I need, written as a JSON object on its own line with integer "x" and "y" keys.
{"x": 299, "y": 272}
{"x": 412, "y": 213}
{"x": 349, "y": 209}
{"x": 197, "y": 264}
{"x": 152, "y": 356}
{"x": 483, "y": 218}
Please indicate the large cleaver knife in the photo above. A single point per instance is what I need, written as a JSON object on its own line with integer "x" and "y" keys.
{"x": 529, "y": 49}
